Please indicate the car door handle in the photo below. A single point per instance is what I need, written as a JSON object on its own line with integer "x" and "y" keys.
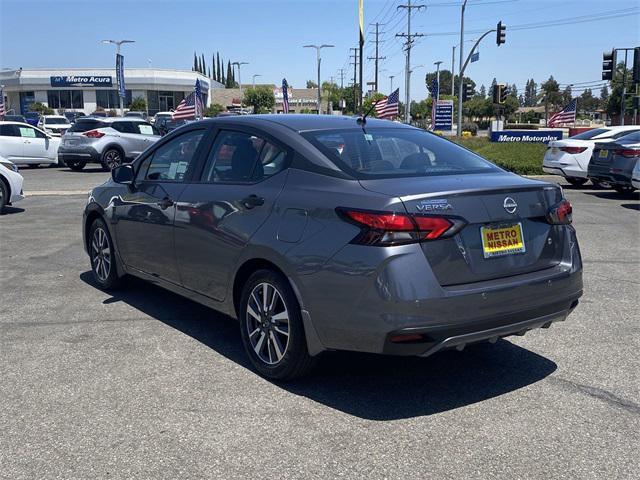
{"x": 252, "y": 201}
{"x": 165, "y": 203}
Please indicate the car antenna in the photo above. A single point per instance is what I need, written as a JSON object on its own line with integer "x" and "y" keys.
{"x": 363, "y": 119}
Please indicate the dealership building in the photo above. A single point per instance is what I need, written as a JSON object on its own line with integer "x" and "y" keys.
{"x": 89, "y": 89}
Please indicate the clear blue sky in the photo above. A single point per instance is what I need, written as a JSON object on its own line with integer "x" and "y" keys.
{"x": 269, "y": 34}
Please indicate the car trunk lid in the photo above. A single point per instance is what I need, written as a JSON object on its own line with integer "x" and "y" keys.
{"x": 485, "y": 202}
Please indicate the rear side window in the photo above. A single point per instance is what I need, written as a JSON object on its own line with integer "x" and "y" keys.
{"x": 589, "y": 134}
{"x": 145, "y": 128}
{"x": 9, "y": 131}
{"x": 624, "y": 134}
{"x": 395, "y": 152}
{"x": 124, "y": 127}
{"x": 242, "y": 158}
{"x": 171, "y": 161}
{"x": 82, "y": 125}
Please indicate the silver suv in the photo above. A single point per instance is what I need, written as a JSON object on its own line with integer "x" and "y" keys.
{"x": 107, "y": 141}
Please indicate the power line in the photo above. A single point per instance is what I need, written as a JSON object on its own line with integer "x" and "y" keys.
{"x": 377, "y": 57}
{"x": 408, "y": 44}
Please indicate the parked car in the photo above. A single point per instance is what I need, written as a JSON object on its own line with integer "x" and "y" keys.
{"x": 635, "y": 175}
{"x": 99, "y": 114}
{"x": 169, "y": 126}
{"x": 162, "y": 116}
{"x": 570, "y": 157}
{"x": 54, "y": 125}
{"x": 24, "y": 144}
{"x": 323, "y": 233}
{"x": 613, "y": 162}
{"x": 73, "y": 116}
{"x": 107, "y": 141}
{"x": 10, "y": 184}
{"x": 142, "y": 115}
{"x": 15, "y": 118}
{"x": 32, "y": 118}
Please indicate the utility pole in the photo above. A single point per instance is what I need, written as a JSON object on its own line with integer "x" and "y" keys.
{"x": 391, "y": 86}
{"x": 341, "y": 77}
{"x": 355, "y": 78}
{"x": 409, "y": 43}
{"x": 318, "y": 48}
{"x": 453, "y": 66}
{"x": 376, "y": 57}
{"x": 437, "y": 64}
{"x": 460, "y": 71}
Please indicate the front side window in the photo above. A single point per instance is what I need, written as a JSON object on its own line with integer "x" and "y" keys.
{"x": 395, "y": 152}
{"x": 171, "y": 161}
{"x": 30, "y": 132}
{"x": 242, "y": 158}
{"x": 9, "y": 130}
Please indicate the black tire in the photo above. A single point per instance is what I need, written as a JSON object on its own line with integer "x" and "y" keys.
{"x": 111, "y": 159}
{"x": 576, "y": 181}
{"x": 601, "y": 185}
{"x": 33, "y": 165}
{"x": 76, "y": 166}
{"x": 289, "y": 361}
{"x": 4, "y": 196}
{"x": 103, "y": 263}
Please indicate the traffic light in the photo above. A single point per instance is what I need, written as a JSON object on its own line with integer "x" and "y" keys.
{"x": 636, "y": 65}
{"x": 500, "y": 35}
{"x": 499, "y": 93}
{"x": 608, "y": 64}
{"x": 467, "y": 92}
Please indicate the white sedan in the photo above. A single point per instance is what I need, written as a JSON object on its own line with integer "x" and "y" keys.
{"x": 24, "y": 144}
{"x": 570, "y": 157}
{"x": 54, "y": 125}
{"x": 10, "y": 184}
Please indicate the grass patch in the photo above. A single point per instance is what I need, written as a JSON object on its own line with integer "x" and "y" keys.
{"x": 521, "y": 158}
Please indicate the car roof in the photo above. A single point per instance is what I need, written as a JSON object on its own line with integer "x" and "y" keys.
{"x": 620, "y": 128}
{"x": 308, "y": 122}
{"x": 111, "y": 119}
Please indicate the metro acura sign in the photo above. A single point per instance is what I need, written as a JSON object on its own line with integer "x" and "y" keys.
{"x": 526, "y": 136}
{"x": 81, "y": 81}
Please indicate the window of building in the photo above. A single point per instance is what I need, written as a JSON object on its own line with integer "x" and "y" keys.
{"x": 65, "y": 99}
{"x": 108, "y": 99}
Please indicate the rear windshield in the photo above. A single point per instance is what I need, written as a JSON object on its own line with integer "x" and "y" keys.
{"x": 395, "y": 152}
{"x": 630, "y": 138}
{"x": 590, "y": 134}
{"x": 85, "y": 125}
{"x": 56, "y": 121}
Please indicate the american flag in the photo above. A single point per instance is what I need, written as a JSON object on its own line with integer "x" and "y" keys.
{"x": 2, "y": 110}
{"x": 566, "y": 115}
{"x": 191, "y": 106}
{"x": 433, "y": 89}
{"x": 387, "y": 107}
{"x": 285, "y": 95}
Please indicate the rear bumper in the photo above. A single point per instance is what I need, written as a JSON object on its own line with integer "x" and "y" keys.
{"x": 565, "y": 171}
{"x": 604, "y": 174}
{"x": 87, "y": 155}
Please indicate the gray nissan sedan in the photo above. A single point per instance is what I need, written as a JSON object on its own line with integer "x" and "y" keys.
{"x": 333, "y": 233}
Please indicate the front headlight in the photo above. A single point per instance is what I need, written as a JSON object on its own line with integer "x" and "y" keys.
{"x": 11, "y": 166}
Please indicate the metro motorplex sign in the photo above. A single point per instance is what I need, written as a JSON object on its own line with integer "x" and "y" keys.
{"x": 81, "y": 81}
{"x": 526, "y": 136}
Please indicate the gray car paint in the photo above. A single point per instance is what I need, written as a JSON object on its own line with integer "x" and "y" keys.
{"x": 353, "y": 296}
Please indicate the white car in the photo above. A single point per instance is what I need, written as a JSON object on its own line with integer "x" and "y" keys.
{"x": 10, "y": 184}
{"x": 635, "y": 175}
{"x": 570, "y": 157}
{"x": 54, "y": 125}
{"x": 24, "y": 144}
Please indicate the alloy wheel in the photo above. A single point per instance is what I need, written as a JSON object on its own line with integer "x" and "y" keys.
{"x": 112, "y": 159}
{"x": 100, "y": 254}
{"x": 267, "y": 323}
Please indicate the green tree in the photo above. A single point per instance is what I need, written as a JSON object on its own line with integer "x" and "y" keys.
{"x": 311, "y": 84}
{"x": 614, "y": 98}
{"x": 604, "y": 97}
{"x": 218, "y": 68}
{"x": 368, "y": 102}
{"x": 229, "y": 83}
{"x": 41, "y": 108}
{"x": 349, "y": 95}
{"x": 204, "y": 66}
{"x": 195, "y": 62}
{"x": 261, "y": 98}
{"x": 213, "y": 67}
{"x": 213, "y": 110}
{"x": 332, "y": 93}
{"x": 223, "y": 79}
{"x": 567, "y": 95}
{"x": 138, "y": 104}
{"x": 445, "y": 82}
{"x": 587, "y": 102}
{"x": 483, "y": 92}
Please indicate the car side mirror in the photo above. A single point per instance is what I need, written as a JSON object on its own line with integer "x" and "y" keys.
{"x": 123, "y": 174}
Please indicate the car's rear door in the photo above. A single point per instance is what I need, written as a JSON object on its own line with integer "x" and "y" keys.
{"x": 145, "y": 214}
{"x": 37, "y": 146}
{"x": 129, "y": 138}
{"x": 242, "y": 176}
{"x": 11, "y": 142}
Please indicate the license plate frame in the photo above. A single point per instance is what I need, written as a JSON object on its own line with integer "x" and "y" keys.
{"x": 490, "y": 249}
{"x": 604, "y": 153}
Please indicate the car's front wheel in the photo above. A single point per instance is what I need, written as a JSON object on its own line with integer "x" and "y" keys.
{"x": 75, "y": 166}
{"x": 4, "y": 196}
{"x": 102, "y": 254}
{"x": 623, "y": 189}
{"x": 576, "y": 181}
{"x": 271, "y": 327}
{"x": 111, "y": 159}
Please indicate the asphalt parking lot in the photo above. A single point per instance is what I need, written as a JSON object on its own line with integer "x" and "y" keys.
{"x": 146, "y": 384}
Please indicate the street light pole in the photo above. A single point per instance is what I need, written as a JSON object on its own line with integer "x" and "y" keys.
{"x": 238, "y": 64}
{"x": 453, "y": 66}
{"x": 118, "y": 43}
{"x": 460, "y": 71}
{"x": 391, "y": 86}
{"x": 253, "y": 81}
{"x": 318, "y": 48}
{"x": 437, "y": 64}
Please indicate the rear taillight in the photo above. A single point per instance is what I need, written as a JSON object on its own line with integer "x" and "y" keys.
{"x": 391, "y": 228}
{"x": 573, "y": 150}
{"x": 628, "y": 152}
{"x": 93, "y": 134}
{"x": 560, "y": 214}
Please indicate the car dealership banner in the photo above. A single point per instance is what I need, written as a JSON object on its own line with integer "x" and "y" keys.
{"x": 526, "y": 136}
{"x": 81, "y": 81}
{"x": 444, "y": 115}
{"x": 120, "y": 75}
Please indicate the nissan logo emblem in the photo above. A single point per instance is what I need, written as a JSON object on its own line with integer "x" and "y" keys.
{"x": 510, "y": 205}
